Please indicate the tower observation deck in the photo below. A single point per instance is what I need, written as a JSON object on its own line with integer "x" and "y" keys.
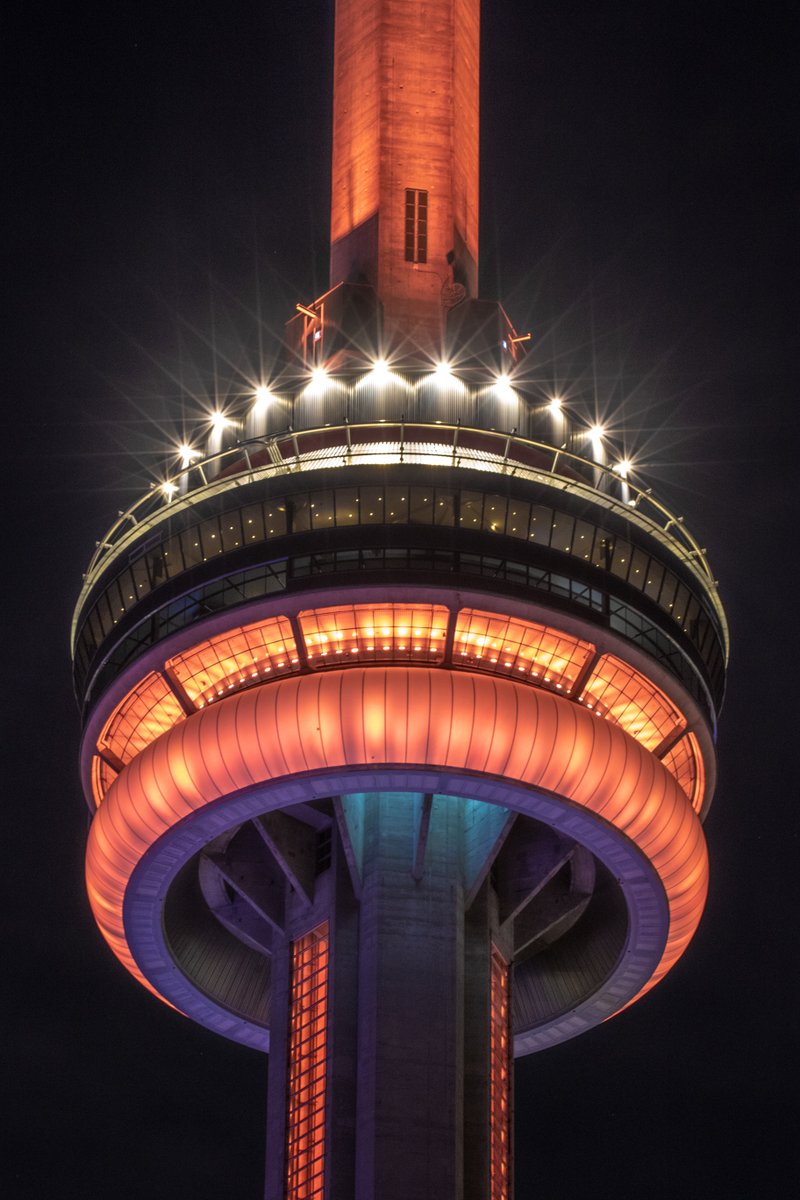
{"x": 399, "y": 695}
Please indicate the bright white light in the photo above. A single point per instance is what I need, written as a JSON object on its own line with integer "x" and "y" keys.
{"x": 502, "y": 385}
{"x": 169, "y": 489}
{"x": 263, "y": 397}
{"x": 219, "y": 421}
{"x": 597, "y": 433}
{"x": 443, "y": 372}
{"x": 380, "y": 372}
{"x": 319, "y": 376}
{"x": 555, "y": 405}
{"x": 623, "y": 468}
{"x": 187, "y": 454}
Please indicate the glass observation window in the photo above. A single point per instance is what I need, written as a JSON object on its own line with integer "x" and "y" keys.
{"x": 616, "y": 691}
{"x": 508, "y": 646}
{"x": 149, "y": 710}
{"x": 234, "y": 660}
{"x": 370, "y": 633}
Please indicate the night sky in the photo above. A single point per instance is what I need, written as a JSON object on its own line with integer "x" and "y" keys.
{"x": 166, "y": 183}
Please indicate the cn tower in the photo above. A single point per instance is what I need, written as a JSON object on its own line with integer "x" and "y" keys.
{"x": 400, "y": 693}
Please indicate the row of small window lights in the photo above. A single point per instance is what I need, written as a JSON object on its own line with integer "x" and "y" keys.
{"x": 379, "y": 375}
{"x": 352, "y": 634}
{"x": 394, "y": 505}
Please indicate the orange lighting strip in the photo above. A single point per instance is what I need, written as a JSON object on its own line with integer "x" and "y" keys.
{"x": 400, "y": 632}
{"x": 147, "y": 711}
{"x": 363, "y": 716}
{"x": 545, "y": 656}
{"x": 346, "y": 635}
{"x": 500, "y": 1078}
{"x": 236, "y": 659}
{"x": 308, "y": 1025}
{"x": 622, "y": 695}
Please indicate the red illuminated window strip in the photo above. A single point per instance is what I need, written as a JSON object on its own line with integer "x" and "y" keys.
{"x": 308, "y": 1019}
{"x": 500, "y": 1079}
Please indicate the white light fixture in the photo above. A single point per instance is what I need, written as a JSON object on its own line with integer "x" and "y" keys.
{"x": 187, "y": 454}
{"x": 443, "y": 372}
{"x": 263, "y": 397}
{"x": 169, "y": 489}
{"x": 319, "y": 376}
{"x": 555, "y": 405}
{"x": 597, "y": 433}
{"x": 623, "y": 468}
{"x": 380, "y": 372}
{"x": 219, "y": 421}
{"x": 502, "y": 385}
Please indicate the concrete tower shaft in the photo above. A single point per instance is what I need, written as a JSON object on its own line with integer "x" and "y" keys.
{"x": 404, "y": 203}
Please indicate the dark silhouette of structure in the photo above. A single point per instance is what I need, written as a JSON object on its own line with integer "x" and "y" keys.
{"x": 400, "y": 695}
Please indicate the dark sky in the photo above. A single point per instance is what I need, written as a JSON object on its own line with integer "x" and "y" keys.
{"x": 166, "y": 183}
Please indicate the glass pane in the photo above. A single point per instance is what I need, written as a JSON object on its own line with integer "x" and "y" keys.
{"x": 681, "y": 601}
{"x": 347, "y": 506}
{"x": 275, "y": 518}
{"x": 603, "y": 549}
{"x": 300, "y": 507}
{"x": 173, "y": 559}
{"x": 140, "y": 578}
{"x": 397, "y": 506}
{"x": 583, "y": 540}
{"x": 126, "y": 587}
{"x": 421, "y": 505}
{"x": 471, "y": 510}
{"x": 190, "y": 546}
{"x": 210, "y": 540}
{"x": 253, "y": 523}
{"x": 638, "y": 572}
{"x": 563, "y": 532}
{"x": 231, "y": 530}
{"x": 322, "y": 510}
{"x": 621, "y": 560}
{"x": 541, "y": 524}
{"x": 494, "y": 514}
{"x": 444, "y": 508}
{"x": 371, "y": 505}
{"x": 654, "y": 579}
{"x": 518, "y": 519}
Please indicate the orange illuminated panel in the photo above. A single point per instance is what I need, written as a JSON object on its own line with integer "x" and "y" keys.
{"x": 512, "y": 647}
{"x": 500, "y": 1079}
{"x": 102, "y": 778}
{"x": 243, "y": 656}
{"x": 308, "y": 1017}
{"x": 685, "y": 762}
{"x": 620, "y": 694}
{"x": 368, "y": 633}
{"x": 147, "y": 711}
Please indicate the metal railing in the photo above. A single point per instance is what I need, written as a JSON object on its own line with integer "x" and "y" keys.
{"x": 255, "y": 459}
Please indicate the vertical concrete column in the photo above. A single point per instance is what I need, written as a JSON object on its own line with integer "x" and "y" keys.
{"x": 405, "y": 116}
{"x": 410, "y": 1119}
